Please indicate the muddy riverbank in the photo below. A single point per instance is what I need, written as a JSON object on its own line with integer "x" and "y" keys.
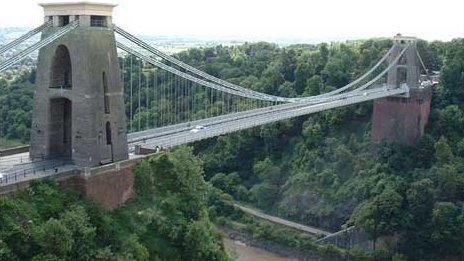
{"x": 243, "y": 252}
{"x": 245, "y": 247}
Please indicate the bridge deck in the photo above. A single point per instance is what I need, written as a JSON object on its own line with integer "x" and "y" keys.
{"x": 175, "y": 135}
{"x": 18, "y": 168}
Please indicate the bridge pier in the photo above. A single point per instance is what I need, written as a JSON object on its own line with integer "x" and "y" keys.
{"x": 79, "y": 112}
{"x": 401, "y": 119}
{"x": 110, "y": 186}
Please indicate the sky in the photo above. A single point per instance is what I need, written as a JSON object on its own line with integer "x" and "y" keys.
{"x": 267, "y": 19}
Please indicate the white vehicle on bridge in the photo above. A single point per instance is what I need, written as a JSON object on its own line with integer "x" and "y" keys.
{"x": 198, "y": 128}
{"x": 425, "y": 84}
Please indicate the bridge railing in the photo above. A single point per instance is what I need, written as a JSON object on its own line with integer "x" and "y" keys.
{"x": 13, "y": 151}
{"x": 40, "y": 168}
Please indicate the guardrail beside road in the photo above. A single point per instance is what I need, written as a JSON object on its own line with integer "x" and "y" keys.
{"x": 15, "y": 150}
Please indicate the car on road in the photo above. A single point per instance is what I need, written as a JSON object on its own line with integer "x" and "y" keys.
{"x": 426, "y": 83}
{"x": 198, "y": 128}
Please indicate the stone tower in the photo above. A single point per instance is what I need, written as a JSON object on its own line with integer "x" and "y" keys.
{"x": 403, "y": 119}
{"x": 78, "y": 104}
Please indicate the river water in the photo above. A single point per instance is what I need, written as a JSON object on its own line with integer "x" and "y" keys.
{"x": 241, "y": 252}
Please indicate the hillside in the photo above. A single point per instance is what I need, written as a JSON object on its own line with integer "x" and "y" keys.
{"x": 321, "y": 170}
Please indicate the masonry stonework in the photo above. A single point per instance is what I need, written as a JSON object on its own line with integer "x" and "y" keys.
{"x": 79, "y": 105}
{"x": 110, "y": 188}
{"x": 401, "y": 119}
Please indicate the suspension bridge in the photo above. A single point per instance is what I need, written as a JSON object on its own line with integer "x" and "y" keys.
{"x": 103, "y": 93}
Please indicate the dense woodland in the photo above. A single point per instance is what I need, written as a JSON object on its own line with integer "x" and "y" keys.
{"x": 167, "y": 220}
{"x": 320, "y": 170}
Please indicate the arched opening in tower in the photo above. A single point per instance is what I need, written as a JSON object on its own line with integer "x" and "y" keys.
{"x": 61, "y": 73}
{"x": 60, "y": 132}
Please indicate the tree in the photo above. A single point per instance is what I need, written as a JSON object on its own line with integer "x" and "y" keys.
{"x": 453, "y": 73}
{"x": 448, "y": 228}
{"x": 443, "y": 151}
{"x": 267, "y": 171}
{"x": 314, "y": 86}
{"x": 303, "y": 71}
{"x": 420, "y": 197}
{"x": 320, "y": 58}
{"x": 450, "y": 182}
{"x": 287, "y": 90}
{"x": 133, "y": 250}
{"x": 420, "y": 200}
{"x": 5, "y": 251}
{"x": 46, "y": 257}
{"x": 54, "y": 238}
{"x": 82, "y": 232}
{"x": 425, "y": 151}
{"x": 383, "y": 215}
{"x": 201, "y": 242}
{"x": 179, "y": 194}
{"x": 450, "y": 120}
{"x": 344, "y": 162}
{"x": 272, "y": 78}
{"x": 220, "y": 181}
{"x": 264, "y": 195}
{"x": 288, "y": 65}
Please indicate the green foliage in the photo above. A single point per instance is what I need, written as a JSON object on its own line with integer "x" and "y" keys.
{"x": 314, "y": 86}
{"x": 54, "y": 237}
{"x": 168, "y": 220}
{"x": 174, "y": 183}
{"x": 16, "y": 107}
{"x": 264, "y": 194}
{"x": 447, "y": 220}
{"x": 324, "y": 171}
{"x": 133, "y": 249}
{"x": 443, "y": 151}
{"x": 82, "y": 232}
{"x": 420, "y": 197}
{"x": 265, "y": 170}
{"x": 383, "y": 215}
{"x": 320, "y": 169}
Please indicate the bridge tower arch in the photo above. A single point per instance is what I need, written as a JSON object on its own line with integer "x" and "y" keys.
{"x": 403, "y": 118}
{"x": 78, "y": 89}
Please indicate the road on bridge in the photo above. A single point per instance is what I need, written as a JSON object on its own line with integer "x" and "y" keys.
{"x": 170, "y": 136}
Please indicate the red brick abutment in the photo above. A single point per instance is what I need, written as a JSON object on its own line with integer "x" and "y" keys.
{"x": 401, "y": 119}
{"x": 109, "y": 185}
